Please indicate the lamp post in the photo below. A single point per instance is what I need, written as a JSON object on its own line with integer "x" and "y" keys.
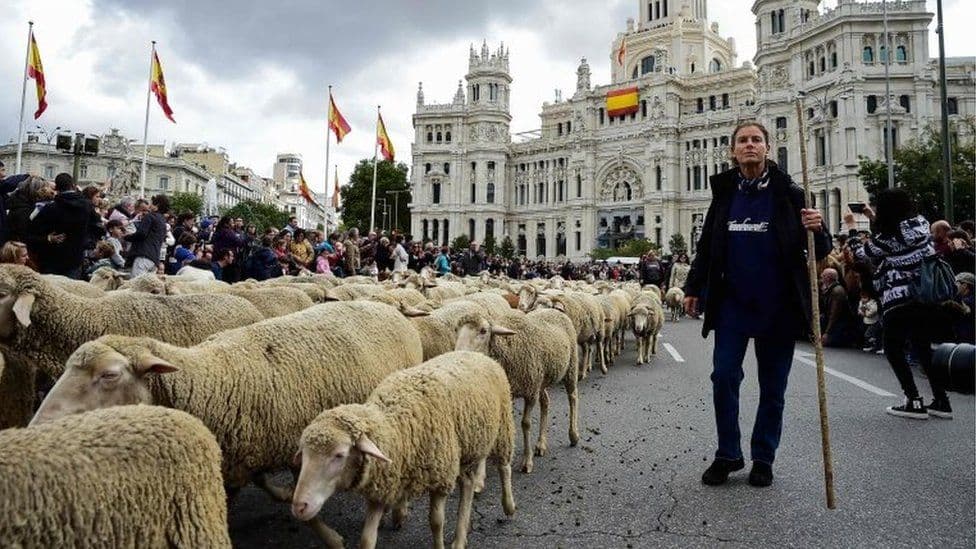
{"x": 383, "y": 218}
{"x": 396, "y": 205}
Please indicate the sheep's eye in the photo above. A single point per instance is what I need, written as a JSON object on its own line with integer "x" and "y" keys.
{"x": 339, "y": 455}
{"x": 110, "y": 375}
{"x": 483, "y": 331}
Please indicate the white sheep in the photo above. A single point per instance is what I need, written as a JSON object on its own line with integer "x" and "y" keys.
{"x": 536, "y": 350}
{"x": 647, "y": 318}
{"x": 132, "y": 476}
{"x": 419, "y": 432}
{"x": 255, "y": 387}
{"x": 674, "y": 299}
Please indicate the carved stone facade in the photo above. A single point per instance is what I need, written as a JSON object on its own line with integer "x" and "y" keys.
{"x": 584, "y": 180}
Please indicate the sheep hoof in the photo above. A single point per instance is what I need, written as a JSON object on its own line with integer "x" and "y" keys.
{"x": 573, "y": 439}
{"x": 541, "y": 450}
{"x": 526, "y": 467}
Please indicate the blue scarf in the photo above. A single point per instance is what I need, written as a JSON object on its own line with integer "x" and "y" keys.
{"x": 750, "y": 186}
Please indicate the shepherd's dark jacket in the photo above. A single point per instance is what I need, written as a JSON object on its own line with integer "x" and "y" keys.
{"x": 708, "y": 268}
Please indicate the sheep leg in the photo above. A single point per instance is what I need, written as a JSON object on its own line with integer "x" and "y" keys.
{"x": 585, "y": 358}
{"x": 526, "y": 428}
{"x": 654, "y": 344}
{"x": 400, "y": 513}
{"x": 464, "y": 511}
{"x": 542, "y": 446}
{"x": 331, "y": 538}
{"x": 572, "y": 394}
{"x": 374, "y": 514}
{"x": 436, "y": 518}
{"x": 640, "y": 349}
{"x": 279, "y": 493}
{"x": 480, "y": 475}
{"x": 508, "y": 500}
{"x": 600, "y": 351}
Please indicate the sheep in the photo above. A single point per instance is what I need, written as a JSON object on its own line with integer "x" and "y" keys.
{"x": 349, "y": 292}
{"x": 107, "y": 279}
{"x": 133, "y": 476}
{"x": 675, "y": 301}
{"x": 536, "y": 350}
{"x": 77, "y": 287}
{"x": 492, "y": 303}
{"x": 42, "y": 324}
{"x": 438, "y": 329}
{"x": 274, "y": 301}
{"x": 419, "y": 431}
{"x": 255, "y": 389}
{"x": 406, "y": 297}
{"x": 647, "y": 317}
{"x": 588, "y": 318}
{"x": 654, "y": 289}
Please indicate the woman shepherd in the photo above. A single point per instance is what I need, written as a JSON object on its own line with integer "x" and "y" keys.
{"x": 752, "y": 259}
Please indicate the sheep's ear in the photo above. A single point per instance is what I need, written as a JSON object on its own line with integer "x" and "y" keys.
{"x": 367, "y": 447}
{"x": 296, "y": 459}
{"x": 411, "y": 312}
{"x": 559, "y": 306}
{"x": 22, "y": 308}
{"x": 329, "y": 296}
{"x": 147, "y": 363}
{"x": 502, "y": 331}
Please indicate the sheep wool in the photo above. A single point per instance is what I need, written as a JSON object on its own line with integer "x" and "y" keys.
{"x": 132, "y": 476}
{"x": 434, "y": 422}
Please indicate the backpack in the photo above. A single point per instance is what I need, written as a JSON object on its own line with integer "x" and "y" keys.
{"x": 936, "y": 282}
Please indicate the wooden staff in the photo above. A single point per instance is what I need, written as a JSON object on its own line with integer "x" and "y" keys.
{"x": 817, "y": 344}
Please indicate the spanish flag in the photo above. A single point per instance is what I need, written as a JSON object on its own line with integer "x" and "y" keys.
{"x": 36, "y": 71}
{"x": 158, "y": 86}
{"x": 304, "y": 190}
{"x": 335, "y": 193}
{"x": 383, "y": 139}
{"x": 337, "y": 123}
{"x": 621, "y": 102}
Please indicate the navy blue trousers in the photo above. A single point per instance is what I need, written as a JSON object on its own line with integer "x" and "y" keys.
{"x": 774, "y": 355}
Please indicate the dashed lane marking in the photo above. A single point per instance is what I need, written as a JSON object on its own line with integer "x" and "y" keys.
{"x": 810, "y": 360}
{"x": 673, "y": 352}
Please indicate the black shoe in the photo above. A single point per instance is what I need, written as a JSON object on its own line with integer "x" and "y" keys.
{"x": 912, "y": 409}
{"x": 718, "y": 472}
{"x": 761, "y": 474}
{"x": 940, "y": 408}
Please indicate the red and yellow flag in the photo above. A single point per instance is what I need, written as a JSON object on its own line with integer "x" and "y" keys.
{"x": 621, "y": 51}
{"x": 304, "y": 190}
{"x": 337, "y": 122}
{"x": 383, "y": 139}
{"x": 621, "y": 102}
{"x": 158, "y": 86}
{"x": 36, "y": 71}
{"x": 335, "y": 192}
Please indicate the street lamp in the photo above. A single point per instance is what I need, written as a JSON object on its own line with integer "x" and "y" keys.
{"x": 382, "y": 219}
{"x": 48, "y": 135}
{"x": 396, "y": 205}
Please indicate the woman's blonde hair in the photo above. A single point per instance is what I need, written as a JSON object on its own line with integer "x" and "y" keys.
{"x": 12, "y": 251}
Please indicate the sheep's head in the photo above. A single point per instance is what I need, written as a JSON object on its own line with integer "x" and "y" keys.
{"x": 527, "y": 297}
{"x": 544, "y": 301}
{"x": 475, "y": 333}
{"x": 107, "y": 279}
{"x": 639, "y": 314}
{"x": 19, "y": 288}
{"x": 151, "y": 284}
{"x": 110, "y": 371}
{"x": 332, "y": 453}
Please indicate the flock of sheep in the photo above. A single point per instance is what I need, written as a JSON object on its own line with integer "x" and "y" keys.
{"x": 171, "y": 395}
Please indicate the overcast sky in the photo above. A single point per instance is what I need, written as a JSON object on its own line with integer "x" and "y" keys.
{"x": 253, "y": 80}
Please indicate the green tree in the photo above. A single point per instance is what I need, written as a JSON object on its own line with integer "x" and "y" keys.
{"x": 260, "y": 214}
{"x": 918, "y": 170}
{"x": 186, "y": 202}
{"x": 489, "y": 244}
{"x": 631, "y": 248}
{"x": 507, "y": 248}
{"x": 460, "y": 243}
{"x": 677, "y": 245}
{"x": 357, "y": 194}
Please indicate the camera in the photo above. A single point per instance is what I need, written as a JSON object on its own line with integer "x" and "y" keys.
{"x": 856, "y": 207}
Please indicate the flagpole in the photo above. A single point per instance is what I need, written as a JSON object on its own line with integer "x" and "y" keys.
{"x": 376, "y": 147}
{"x": 23, "y": 97}
{"x": 145, "y": 127}
{"x": 328, "y": 130}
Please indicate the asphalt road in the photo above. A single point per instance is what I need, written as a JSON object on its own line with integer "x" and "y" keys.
{"x": 647, "y": 435}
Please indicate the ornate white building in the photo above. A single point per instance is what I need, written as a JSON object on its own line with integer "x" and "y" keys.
{"x": 587, "y": 180}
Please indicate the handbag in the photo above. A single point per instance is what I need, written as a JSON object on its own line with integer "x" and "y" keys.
{"x": 936, "y": 281}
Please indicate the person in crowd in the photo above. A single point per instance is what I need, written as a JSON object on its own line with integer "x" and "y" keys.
{"x": 7, "y": 186}
{"x": 515, "y": 270}
{"x": 291, "y": 226}
{"x": 837, "y": 321}
{"x": 652, "y": 272}
{"x": 68, "y": 225}
{"x": 114, "y": 232}
{"x": 679, "y": 271}
{"x": 962, "y": 308}
{"x": 263, "y": 263}
{"x": 301, "y": 249}
{"x": 185, "y": 222}
{"x": 226, "y": 238}
{"x": 940, "y": 236}
{"x": 970, "y": 227}
{"x": 102, "y": 257}
{"x": 751, "y": 257}
{"x": 400, "y": 256}
{"x": 94, "y": 195}
{"x": 31, "y": 196}
{"x": 960, "y": 253}
{"x": 870, "y": 314}
{"x": 183, "y": 254}
{"x": 221, "y": 260}
{"x": 14, "y": 252}
{"x": 149, "y": 237}
{"x": 352, "y": 252}
{"x": 473, "y": 259}
{"x": 286, "y": 262}
{"x": 442, "y": 263}
{"x": 382, "y": 254}
{"x": 901, "y": 242}
{"x": 322, "y": 265}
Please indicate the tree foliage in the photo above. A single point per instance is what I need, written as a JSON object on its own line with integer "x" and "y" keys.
{"x": 460, "y": 243}
{"x": 357, "y": 195}
{"x": 918, "y": 170}
{"x": 489, "y": 244}
{"x": 507, "y": 248}
{"x": 677, "y": 244}
{"x": 186, "y": 202}
{"x": 260, "y": 214}
{"x": 631, "y": 248}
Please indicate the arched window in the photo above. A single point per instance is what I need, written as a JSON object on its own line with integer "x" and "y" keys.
{"x": 833, "y": 60}
{"x": 782, "y": 21}
{"x": 430, "y": 137}
{"x": 647, "y": 64}
{"x": 883, "y": 54}
{"x": 490, "y": 193}
{"x": 435, "y": 191}
{"x": 440, "y": 137}
{"x": 901, "y": 54}
{"x": 427, "y": 167}
{"x": 715, "y": 66}
{"x": 905, "y": 103}
{"x": 774, "y": 21}
{"x": 424, "y": 230}
{"x": 447, "y": 168}
{"x": 489, "y": 228}
{"x": 447, "y": 137}
{"x": 811, "y": 69}
{"x": 867, "y": 55}
{"x": 471, "y": 229}
{"x": 823, "y": 64}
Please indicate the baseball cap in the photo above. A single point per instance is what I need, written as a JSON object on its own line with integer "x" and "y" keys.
{"x": 966, "y": 278}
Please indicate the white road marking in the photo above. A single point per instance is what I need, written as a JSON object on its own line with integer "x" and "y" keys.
{"x": 673, "y": 352}
{"x": 810, "y": 360}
